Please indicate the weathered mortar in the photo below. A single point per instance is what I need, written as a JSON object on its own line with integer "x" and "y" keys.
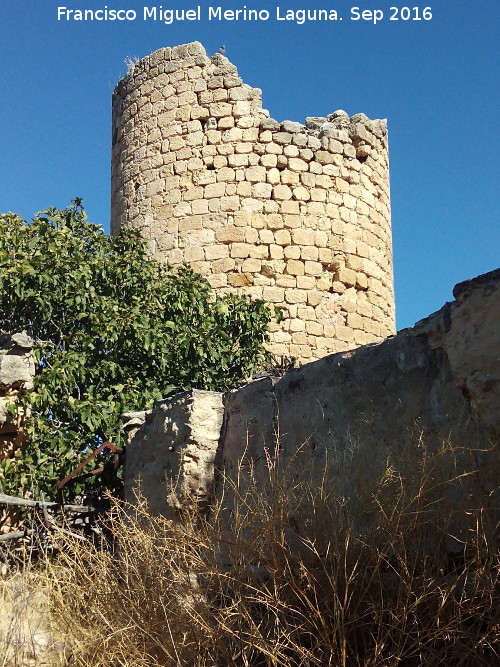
{"x": 434, "y": 388}
{"x": 298, "y": 215}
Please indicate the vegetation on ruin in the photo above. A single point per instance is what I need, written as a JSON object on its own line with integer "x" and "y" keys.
{"x": 115, "y": 332}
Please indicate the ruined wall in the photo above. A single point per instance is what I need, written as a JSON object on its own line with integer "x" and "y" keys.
{"x": 17, "y": 370}
{"x": 178, "y": 440}
{"x": 428, "y": 396}
{"x": 298, "y": 215}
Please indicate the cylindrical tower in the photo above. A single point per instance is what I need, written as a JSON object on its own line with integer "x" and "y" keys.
{"x": 298, "y": 215}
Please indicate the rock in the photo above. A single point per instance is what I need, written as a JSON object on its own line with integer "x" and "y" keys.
{"x": 177, "y": 444}
{"x": 269, "y": 124}
{"x": 314, "y": 122}
{"x": 329, "y": 130}
{"x": 132, "y": 422}
{"x": 363, "y": 151}
{"x": 340, "y": 113}
{"x": 16, "y": 372}
{"x": 360, "y": 118}
{"x": 292, "y": 127}
{"x": 23, "y": 340}
{"x": 379, "y": 128}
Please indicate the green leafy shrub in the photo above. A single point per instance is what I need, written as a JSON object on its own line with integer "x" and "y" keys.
{"x": 116, "y": 332}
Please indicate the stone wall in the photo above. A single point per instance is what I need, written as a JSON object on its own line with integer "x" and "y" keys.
{"x": 178, "y": 440}
{"x": 17, "y": 370}
{"x": 430, "y": 394}
{"x": 296, "y": 214}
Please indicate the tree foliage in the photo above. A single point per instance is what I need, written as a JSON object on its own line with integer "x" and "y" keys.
{"x": 115, "y": 330}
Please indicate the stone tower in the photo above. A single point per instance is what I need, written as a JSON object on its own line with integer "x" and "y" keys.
{"x": 298, "y": 215}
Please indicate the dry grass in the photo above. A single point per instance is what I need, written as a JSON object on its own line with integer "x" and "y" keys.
{"x": 287, "y": 572}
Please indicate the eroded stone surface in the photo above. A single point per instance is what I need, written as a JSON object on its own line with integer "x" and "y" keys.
{"x": 17, "y": 367}
{"x": 176, "y": 444}
{"x": 429, "y": 394}
{"x": 15, "y": 372}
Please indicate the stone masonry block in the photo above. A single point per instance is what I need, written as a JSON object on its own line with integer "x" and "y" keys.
{"x": 240, "y": 250}
{"x": 323, "y": 157}
{"x": 347, "y": 277}
{"x": 295, "y": 267}
{"x": 255, "y": 174}
{"x": 303, "y": 236}
{"x": 240, "y": 279}
{"x": 282, "y": 192}
{"x": 296, "y": 164}
{"x": 289, "y": 177}
{"x": 175, "y": 449}
{"x": 291, "y": 151}
{"x": 231, "y": 234}
{"x": 16, "y": 371}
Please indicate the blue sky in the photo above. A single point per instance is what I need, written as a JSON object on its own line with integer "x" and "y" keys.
{"x": 436, "y": 81}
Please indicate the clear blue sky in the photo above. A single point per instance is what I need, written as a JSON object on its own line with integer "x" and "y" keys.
{"x": 436, "y": 81}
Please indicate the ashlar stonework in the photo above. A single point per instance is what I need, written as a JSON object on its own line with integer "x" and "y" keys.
{"x": 295, "y": 214}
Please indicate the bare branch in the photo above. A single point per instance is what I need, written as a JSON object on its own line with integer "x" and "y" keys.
{"x": 25, "y": 502}
{"x": 15, "y": 536}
